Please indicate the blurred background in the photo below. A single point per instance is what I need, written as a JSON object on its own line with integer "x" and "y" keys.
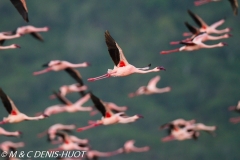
{"x": 204, "y": 83}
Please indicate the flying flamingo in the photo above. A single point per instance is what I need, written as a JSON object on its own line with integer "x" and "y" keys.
{"x": 15, "y": 115}
{"x": 108, "y": 116}
{"x": 57, "y": 65}
{"x": 8, "y": 145}
{"x": 21, "y": 7}
{"x": 204, "y": 27}
{"x": 195, "y": 31}
{"x": 5, "y": 36}
{"x": 112, "y": 106}
{"x": 13, "y": 46}
{"x": 68, "y": 144}
{"x": 195, "y": 44}
{"x": 73, "y": 139}
{"x": 181, "y": 123}
{"x": 65, "y": 89}
{"x": 121, "y": 67}
{"x": 7, "y": 133}
{"x": 129, "y": 147}
{"x": 30, "y": 30}
{"x": 74, "y": 107}
{"x": 94, "y": 154}
{"x": 236, "y": 109}
{"x": 51, "y": 132}
{"x": 150, "y": 88}
{"x": 234, "y": 4}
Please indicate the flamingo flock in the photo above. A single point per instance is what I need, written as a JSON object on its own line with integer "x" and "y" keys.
{"x": 62, "y": 135}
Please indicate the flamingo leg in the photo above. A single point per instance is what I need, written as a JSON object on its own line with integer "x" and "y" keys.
{"x": 88, "y": 127}
{"x": 42, "y": 71}
{"x": 100, "y": 77}
{"x": 201, "y": 2}
{"x": 170, "y": 51}
{"x": 168, "y": 138}
{"x": 186, "y": 34}
{"x": 175, "y": 42}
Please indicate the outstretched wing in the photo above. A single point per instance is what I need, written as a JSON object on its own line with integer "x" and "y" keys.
{"x": 115, "y": 51}
{"x": 192, "y": 29}
{"x": 77, "y": 76}
{"x": 234, "y": 5}
{"x": 197, "y": 19}
{"x": 152, "y": 83}
{"x": 37, "y": 36}
{"x": 21, "y": 6}
{"x": 8, "y": 103}
{"x": 62, "y": 99}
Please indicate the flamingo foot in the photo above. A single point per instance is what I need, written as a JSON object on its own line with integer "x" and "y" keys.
{"x": 87, "y": 127}
{"x": 100, "y": 77}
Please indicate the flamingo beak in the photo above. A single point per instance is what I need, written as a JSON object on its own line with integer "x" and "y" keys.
{"x": 45, "y": 115}
{"x": 88, "y": 64}
{"x": 140, "y": 116}
{"x": 162, "y": 68}
{"x": 17, "y": 46}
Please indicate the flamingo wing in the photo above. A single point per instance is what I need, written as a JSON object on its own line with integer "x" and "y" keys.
{"x": 115, "y": 51}
{"x": 234, "y": 5}
{"x": 37, "y": 36}
{"x": 8, "y": 103}
{"x": 152, "y": 83}
{"x": 62, "y": 99}
{"x": 21, "y": 6}
{"x": 199, "y": 37}
{"x": 63, "y": 135}
{"x": 106, "y": 112}
{"x": 192, "y": 29}
{"x": 197, "y": 19}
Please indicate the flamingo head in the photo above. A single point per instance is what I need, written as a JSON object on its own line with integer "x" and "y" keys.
{"x": 139, "y": 116}
{"x": 161, "y": 68}
{"x": 16, "y": 46}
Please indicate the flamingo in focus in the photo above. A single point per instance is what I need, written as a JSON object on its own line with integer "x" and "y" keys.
{"x": 15, "y": 116}
{"x": 51, "y": 132}
{"x": 112, "y": 106}
{"x": 10, "y": 134}
{"x": 121, "y": 65}
{"x": 129, "y": 147}
{"x": 234, "y": 4}
{"x": 57, "y": 65}
{"x": 21, "y": 7}
{"x": 204, "y": 27}
{"x": 68, "y": 144}
{"x": 108, "y": 116}
{"x": 150, "y": 88}
{"x": 195, "y": 32}
{"x": 33, "y": 31}
{"x": 236, "y": 109}
{"x": 195, "y": 44}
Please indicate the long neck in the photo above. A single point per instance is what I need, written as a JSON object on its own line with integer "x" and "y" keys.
{"x": 202, "y": 45}
{"x": 162, "y": 90}
{"x": 7, "y": 47}
{"x": 9, "y": 37}
{"x": 6, "y": 133}
{"x": 108, "y": 154}
{"x": 216, "y": 37}
{"x": 34, "y": 118}
{"x": 77, "y": 65}
{"x": 200, "y": 126}
{"x": 143, "y": 72}
{"x": 128, "y": 119}
{"x": 218, "y": 23}
{"x": 220, "y": 31}
{"x": 140, "y": 149}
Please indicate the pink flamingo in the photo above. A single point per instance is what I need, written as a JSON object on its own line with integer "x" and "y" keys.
{"x": 15, "y": 116}
{"x": 121, "y": 67}
{"x": 236, "y": 109}
{"x": 108, "y": 116}
{"x": 234, "y": 4}
{"x": 195, "y": 44}
{"x": 150, "y": 88}
{"x": 13, "y": 46}
{"x": 111, "y": 106}
{"x": 8, "y": 145}
{"x": 12, "y": 134}
{"x": 204, "y": 27}
{"x": 51, "y": 132}
{"x": 57, "y": 65}
{"x": 129, "y": 147}
{"x": 21, "y": 7}
{"x": 94, "y": 154}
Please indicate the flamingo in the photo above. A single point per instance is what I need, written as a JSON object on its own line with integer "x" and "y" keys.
{"x": 150, "y": 88}
{"x": 94, "y": 154}
{"x": 8, "y": 145}
{"x": 181, "y": 123}
{"x": 5, "y": 36}
{"x": 234, "y": 4}
{"x": 112, "y": 106}
{"x": 74, "y": 107}
{"x": 21, "y": 7}
{"x": 77, "y": 76}
{"x": 65, "y": 89}
{"x": 204, "y": 27}
{"x": 203, "y": 127}
{"x": 12, "y": 134}
{"x": 195, "y": 31}
{"x": 108, "y": 116}
{"x": 12, "y": 46}
{"x": 121, "y": 67}
{"x": 195, "y": 44}
{"x": 73, "y": 139}
{"x": 68, "y": 144}
{"x": 236, "y": 109}
{"x": 51, "y": 132}
{"x": 129, "y": 147}
{"x": 15, "y": 116}
{"x": 29, "y": 30}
